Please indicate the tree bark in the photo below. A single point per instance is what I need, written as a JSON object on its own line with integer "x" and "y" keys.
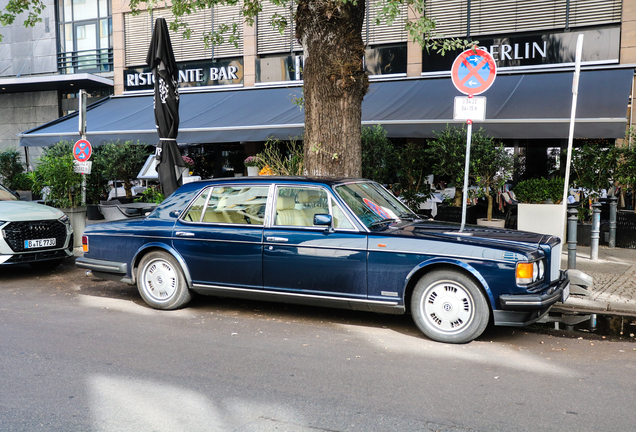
{"x": 334, "y": 85}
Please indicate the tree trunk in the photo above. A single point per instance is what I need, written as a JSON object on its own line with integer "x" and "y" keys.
{"x": 334, "y": 85}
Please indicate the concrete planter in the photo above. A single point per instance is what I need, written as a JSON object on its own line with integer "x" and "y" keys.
{"x": 252, "y": 171}
{"x": 496, "y": 223}
{"x": 77, "y": 216}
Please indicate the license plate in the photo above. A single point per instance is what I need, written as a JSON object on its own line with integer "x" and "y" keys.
{"x": 40, "y": 243}
{"x": 566, "y": 292}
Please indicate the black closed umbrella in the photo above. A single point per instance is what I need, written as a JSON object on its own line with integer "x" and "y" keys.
{"x": 170, "y": 166}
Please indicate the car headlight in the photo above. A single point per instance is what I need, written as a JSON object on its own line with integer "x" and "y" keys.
{"x": 529, "y": 272}
{"x": 66, "y": 221}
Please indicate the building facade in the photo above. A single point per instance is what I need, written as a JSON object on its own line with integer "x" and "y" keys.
{"x": 532, "y": 41}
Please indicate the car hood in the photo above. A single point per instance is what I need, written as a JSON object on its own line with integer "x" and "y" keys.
{"x": 470, "y": 234}
{"x": 16, "y": 211}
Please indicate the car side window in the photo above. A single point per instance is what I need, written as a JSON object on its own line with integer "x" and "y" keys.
{"x": 232, "y": 205}
{"x": 297, "y": 206}
{"x": 340, "y": 221}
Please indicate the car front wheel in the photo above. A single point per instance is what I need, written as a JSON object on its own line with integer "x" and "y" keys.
{"x": 448, "y": 306}
{"x": 161, "y": 282}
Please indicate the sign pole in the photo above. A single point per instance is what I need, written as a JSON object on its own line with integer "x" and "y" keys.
{"x": 575, "y": 94}
{"x": 82, "y": 131}
{"x": 466, "y": 168}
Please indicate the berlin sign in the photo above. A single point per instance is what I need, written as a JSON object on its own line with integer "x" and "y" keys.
{"x": 82, "y": 150}
{"x": 473, "y": 71}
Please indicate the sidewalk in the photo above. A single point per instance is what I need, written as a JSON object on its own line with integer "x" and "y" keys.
{"x": 614, "y": 288}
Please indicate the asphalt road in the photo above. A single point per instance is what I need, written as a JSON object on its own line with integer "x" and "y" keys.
{"x": 79, "y": 354}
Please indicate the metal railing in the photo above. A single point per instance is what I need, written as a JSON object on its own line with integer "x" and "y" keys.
{"x": 85, "y": 61}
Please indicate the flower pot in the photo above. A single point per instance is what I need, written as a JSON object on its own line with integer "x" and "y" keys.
{"x": 496, "y": 223}
{"x": 252, "y": 171}
{"x": 454, "y": 214}
{"x": 93, "y": 213}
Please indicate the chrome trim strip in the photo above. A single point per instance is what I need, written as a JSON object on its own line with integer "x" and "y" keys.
{"x": 313, "y": 296}
{"x": 184, "y": 234}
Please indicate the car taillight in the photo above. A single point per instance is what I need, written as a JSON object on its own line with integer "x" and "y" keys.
{"x": 85, "y": 243}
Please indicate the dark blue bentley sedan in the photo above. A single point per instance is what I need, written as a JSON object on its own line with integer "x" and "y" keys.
{"x": 345, "y": 243}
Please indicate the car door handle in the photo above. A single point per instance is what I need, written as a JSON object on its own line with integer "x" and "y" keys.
{"x": 277, "y": 239}
{"x": 184, "y": 234}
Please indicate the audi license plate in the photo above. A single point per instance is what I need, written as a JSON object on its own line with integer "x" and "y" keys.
{"x": 40, "y": 243}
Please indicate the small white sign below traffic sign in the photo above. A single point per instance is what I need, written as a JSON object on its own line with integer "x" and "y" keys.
{"x": 469, "y": 108}
{"x": 82, "y": 167}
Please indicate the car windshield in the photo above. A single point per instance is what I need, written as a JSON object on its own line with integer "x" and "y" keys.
{"x": 6, "y": 195}
{"x": 374, "y": 205}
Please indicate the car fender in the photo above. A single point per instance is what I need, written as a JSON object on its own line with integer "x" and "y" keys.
{"x": 452, "y": 262}
{"x": 166, "y": 248}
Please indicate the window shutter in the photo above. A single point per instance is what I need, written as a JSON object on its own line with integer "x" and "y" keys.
{"x": 193, "y": 48}
{"x": 383, "y": 33}
{"x": 228, "y": 15}
{"x": 138, "y": 33}
{"x": 594, "y": 12}
{"x": 450, "y": 17}
{"x": 506, "y": 16}
{"x": 269, "y": 39}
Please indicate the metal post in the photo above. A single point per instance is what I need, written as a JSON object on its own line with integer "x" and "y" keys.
{"x": 82, "y": 131}
{"x": 466, "y": 168}
{"x": 572, "y": 222}
{"x": 596, "y": 228}
{"x": 612, "y": 221}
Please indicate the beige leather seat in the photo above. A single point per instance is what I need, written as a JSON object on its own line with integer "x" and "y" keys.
{"x": 287, "y": 214}
{"x": 306, "y": 198}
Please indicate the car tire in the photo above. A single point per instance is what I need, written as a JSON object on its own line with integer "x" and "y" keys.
{"x": 448, "y": 306}
{"x": 161, "y": 282}
{"x": 46, "y": 265}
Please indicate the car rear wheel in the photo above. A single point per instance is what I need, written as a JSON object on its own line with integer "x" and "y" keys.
{"x": 161, "y": 282}
{"x": 448, "y": 306}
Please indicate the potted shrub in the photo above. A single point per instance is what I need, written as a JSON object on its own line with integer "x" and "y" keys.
{"x": 491, "y": 164}
{"x": 539, "y": 209}
{"x": 12, "y": 173}
{"x": 123, "y": 161}
{"x": 61, "y": 185}
{"x": 412, "y": 174}
{"x": 448, "y": 153}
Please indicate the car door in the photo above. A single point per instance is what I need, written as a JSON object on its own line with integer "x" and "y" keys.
{"x": 302, "y": 258}
{"x": 220, "y": 236}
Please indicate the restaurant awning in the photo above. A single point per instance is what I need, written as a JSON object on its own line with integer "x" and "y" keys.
{"x": 528, "y": 105}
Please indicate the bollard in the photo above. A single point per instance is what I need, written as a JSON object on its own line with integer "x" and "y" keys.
{"x": 612, "y": 221}
{"x": 596, "y": 228}
{"x": 572, "y": 222}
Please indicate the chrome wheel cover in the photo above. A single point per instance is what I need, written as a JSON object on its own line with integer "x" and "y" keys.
{"x": 159, "y": 280}
{"x": 448, "y": 307}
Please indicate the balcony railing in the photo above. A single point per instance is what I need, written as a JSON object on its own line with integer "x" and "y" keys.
{"x": 85, "y": 61}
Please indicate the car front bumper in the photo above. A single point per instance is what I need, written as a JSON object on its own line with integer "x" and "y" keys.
{"x": 525, "y": 309}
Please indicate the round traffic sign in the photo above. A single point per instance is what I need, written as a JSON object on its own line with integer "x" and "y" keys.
{"x": 82, "y": 150}
{"x": 473, "y": 71}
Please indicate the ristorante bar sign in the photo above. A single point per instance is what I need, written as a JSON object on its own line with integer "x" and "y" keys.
{"x": 599, "y": 46}
{"x": 200, "y": 74}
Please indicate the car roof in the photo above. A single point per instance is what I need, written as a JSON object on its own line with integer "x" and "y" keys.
{"x": 330, "y": 181}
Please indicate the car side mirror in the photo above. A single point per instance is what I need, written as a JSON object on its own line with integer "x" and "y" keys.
{"x": 175, "y": 213}
{"x": 324, "y": 220}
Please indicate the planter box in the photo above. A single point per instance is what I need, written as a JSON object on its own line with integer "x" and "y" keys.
{"x": 77, "y": 216}
{"x": 454, "y": 214}
{"x": 626, "y": 229}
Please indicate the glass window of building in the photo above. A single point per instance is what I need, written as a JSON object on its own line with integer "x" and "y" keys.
{"x": 85, "y": 36}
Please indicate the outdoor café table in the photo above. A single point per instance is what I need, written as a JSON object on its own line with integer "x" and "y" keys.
{"x": 137, "y": 209}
